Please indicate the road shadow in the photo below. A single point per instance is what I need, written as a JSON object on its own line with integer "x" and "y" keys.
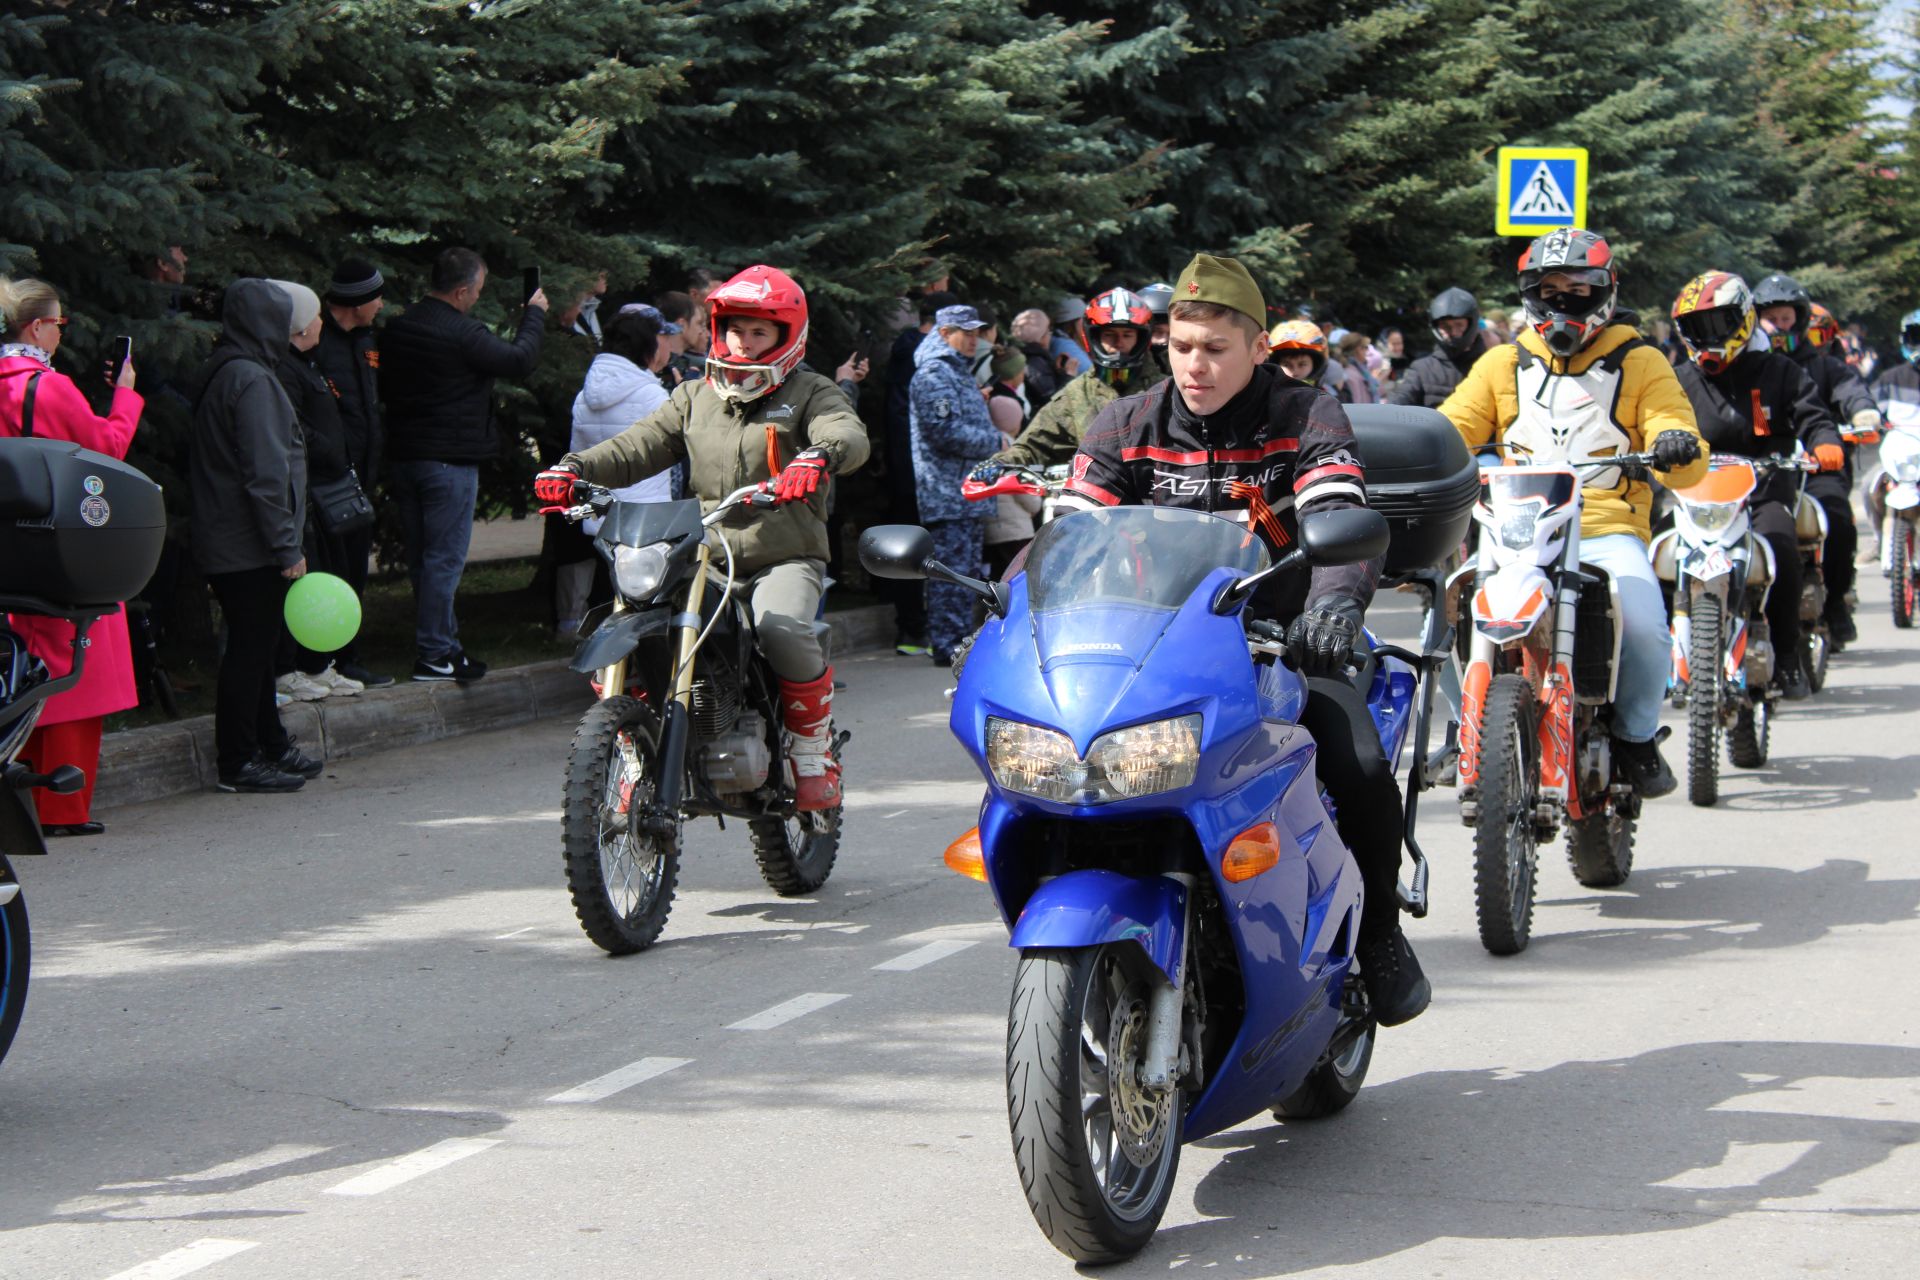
{"x": 1661, "y": 1141}
{"x": 1796, "y": 783}
{"x": 1671, "y": 913}
{"x": 1851, "y": 701}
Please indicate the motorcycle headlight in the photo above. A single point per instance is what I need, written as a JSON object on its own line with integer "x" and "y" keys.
{"x": 1905, "y": 470}
{"x": 1140, "y": 760}
{"x": 1517, "y": 526}
{"x": 639, "y": 571}
{"x": 1713, "y": 517}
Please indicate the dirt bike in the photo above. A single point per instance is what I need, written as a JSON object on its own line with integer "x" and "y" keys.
{"x": 1810, "y": 527}
{"x": 672, "y": 738}
{"x": 1536, "y": 702}
{"x": 1723, "y": 658}
{"x": 1894, "y": 494}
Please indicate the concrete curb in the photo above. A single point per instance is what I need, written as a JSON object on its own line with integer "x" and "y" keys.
{"x": 156, "y": 761}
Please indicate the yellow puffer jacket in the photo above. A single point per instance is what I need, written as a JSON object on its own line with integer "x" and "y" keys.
{"x": 1647, "y": 400}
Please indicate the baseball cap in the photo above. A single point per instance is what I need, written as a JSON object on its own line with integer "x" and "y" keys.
{"x": 961, "y": 317}
{"x": 666, "y": 326}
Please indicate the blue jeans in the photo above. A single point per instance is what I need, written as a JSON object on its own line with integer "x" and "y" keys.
{"x": 436, "y": 513}
{"x": 1646, "y": 651}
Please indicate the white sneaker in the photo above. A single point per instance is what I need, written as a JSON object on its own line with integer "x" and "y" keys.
{"x": 338, "y": 685}
{"x": 301, "y": 687}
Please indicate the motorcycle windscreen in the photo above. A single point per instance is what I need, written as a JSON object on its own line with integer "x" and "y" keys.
{"x": 1104, "y": 585}
{"x": 639, "y": 524}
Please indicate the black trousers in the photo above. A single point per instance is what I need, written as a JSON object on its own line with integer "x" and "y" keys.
{"x": 245, "y": 721}
{"x": 1355, "y": 771}
{"x": 1830, "y": 490}
{"x": 356, "y": 552}
{"x": 1773, "y": 521}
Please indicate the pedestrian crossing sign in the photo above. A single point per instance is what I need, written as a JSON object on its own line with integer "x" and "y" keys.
{"x": 1541, "y": 188}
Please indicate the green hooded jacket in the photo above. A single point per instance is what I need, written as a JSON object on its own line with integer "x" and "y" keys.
{"x": 1053, "y": 437}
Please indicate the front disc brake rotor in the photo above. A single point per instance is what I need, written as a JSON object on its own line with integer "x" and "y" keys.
{"x": 1139, "y": 1114}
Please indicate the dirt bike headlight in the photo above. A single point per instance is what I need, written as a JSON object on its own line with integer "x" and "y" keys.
{"x": 1517, "y": 526}
{"x": 1139, "y": 760}
{"x": 1712, "y": 517}
{"x": 639, "y": 571}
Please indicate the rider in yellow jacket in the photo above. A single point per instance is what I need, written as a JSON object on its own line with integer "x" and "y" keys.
{"x": 1576, "y": 387}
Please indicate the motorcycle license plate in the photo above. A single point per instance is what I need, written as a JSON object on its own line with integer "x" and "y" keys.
{"x": 1713, "y": 563}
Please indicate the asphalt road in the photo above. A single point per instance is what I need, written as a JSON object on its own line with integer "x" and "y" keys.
{"x": 356, "y": 1032}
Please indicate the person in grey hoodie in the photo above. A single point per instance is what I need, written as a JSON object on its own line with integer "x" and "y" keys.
{"x": 248, "y": 472}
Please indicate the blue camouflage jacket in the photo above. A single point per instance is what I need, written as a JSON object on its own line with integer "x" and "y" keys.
{"x": 952, "y": 433}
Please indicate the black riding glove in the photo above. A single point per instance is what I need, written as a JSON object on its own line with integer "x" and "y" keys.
{"x": 1675, "y": 449}
{"x": 985, "y": 473}
{"x": 1321, "y": 639}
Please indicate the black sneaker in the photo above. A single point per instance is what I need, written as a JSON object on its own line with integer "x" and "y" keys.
{"x": 430, "y": 671}
{"x": 354, "y": 671}
{"x": 467, "y": 669}
{"x": 291, "y": 761}
{"x": 258, "y": 777}
{"x": 1841, "y": 631}
{"x": 1644, "y": 767}
{"x": 1396, "y": 988}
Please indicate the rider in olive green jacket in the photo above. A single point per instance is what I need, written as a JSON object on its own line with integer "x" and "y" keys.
{"x": 1122, "y": 366}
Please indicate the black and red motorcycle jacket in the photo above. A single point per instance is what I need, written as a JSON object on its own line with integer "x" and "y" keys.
{"x": 1274, "y": 450}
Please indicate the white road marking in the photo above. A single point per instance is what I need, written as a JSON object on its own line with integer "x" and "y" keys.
{"x": 780, "y": 1014}
{"x": 407, "y": 1168}
{"x": 186, "y": 1260}
{"x": 614, "y": 1081}
{"x": 498, "y": 937}
{"x": 921, "y": 957}
{"x": 895, "y": 814}
{"x": 278, "y": 1154}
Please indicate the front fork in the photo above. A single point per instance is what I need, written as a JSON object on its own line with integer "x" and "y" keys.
{"x": 676, "y": 716}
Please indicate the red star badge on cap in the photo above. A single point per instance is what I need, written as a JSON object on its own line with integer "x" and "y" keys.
{"x": 1193, "y": 286}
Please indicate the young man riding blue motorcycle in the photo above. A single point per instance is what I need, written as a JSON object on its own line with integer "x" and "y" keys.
{"x": 1235, "y": 436}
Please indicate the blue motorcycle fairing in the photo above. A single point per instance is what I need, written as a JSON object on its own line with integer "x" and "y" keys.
{"x": 1292, "y": 927}
{"x": 1088, "y": 908}
{"x": 1390, "y": 697}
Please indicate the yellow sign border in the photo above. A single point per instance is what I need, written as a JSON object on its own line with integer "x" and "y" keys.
{"x": 1503, "y": 199}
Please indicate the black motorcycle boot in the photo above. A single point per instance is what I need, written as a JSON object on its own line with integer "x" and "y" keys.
{"x": 1645, "y": 768}
{"x": 1840, "y": 629}
{"x": 1396, "y": 988}
{"x": 1793, "y": 684}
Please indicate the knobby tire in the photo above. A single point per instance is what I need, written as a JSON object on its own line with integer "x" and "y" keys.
{"x": 1504, "y": 858}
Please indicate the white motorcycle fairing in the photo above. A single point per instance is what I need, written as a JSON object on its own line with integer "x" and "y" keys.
{"x": 1508, "y": 605}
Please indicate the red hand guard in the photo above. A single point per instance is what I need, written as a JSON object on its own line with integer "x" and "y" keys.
{"x": 799, "y": 478}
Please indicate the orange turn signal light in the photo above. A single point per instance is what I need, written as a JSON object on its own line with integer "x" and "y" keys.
{"x": 964, "y": 855}
{"x": 1252, "y": 851}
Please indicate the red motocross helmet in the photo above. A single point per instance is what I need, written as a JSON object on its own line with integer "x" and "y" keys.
{"x": 759, "y": 293}
{"x": 1566, "y": 321}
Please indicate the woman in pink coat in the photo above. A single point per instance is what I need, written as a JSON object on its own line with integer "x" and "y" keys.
{"x": 32, "y": 322}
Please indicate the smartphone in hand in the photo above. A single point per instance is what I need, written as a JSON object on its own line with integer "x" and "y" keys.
{"x": 530, "y": 283}
{"x": 119, "y": 352}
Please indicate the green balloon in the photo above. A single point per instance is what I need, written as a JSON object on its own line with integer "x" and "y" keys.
{"x": 322, "y": 612}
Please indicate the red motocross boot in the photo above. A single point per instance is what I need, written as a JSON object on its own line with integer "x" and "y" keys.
{"x": 807, "y": 712}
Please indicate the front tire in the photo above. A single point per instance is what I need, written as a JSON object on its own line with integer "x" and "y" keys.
{"x": 1900, "y": 570}
{"x": 621, "y": 878}
{"x": 1096, "y": 1152}
{"x": 16, "y": 954}
{"x": 1703, "y": 702}
{"x": 1504, "y": 858}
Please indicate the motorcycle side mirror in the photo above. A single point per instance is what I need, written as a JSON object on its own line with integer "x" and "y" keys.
{"x": 896, "y": 551}
{"x": 1347, "y": 536}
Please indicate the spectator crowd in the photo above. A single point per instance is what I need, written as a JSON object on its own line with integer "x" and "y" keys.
{"x": 310, "y": 415}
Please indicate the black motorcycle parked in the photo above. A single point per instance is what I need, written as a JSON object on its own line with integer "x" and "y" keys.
{"x": 79, "y": 532}
{"x": 671, "y": 738}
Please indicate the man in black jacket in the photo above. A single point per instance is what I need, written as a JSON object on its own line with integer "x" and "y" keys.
{"x": 1454, "y": 315}
{"x": 1231, "y": 434}
{"x": 437, "y": 366}
{"x": 1755, "y": 402}
{"x": 350, "y": 361}
{"x": 1785, "y": 310}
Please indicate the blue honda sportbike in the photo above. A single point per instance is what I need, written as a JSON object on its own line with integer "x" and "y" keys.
{"x": 1155, "y": 836}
